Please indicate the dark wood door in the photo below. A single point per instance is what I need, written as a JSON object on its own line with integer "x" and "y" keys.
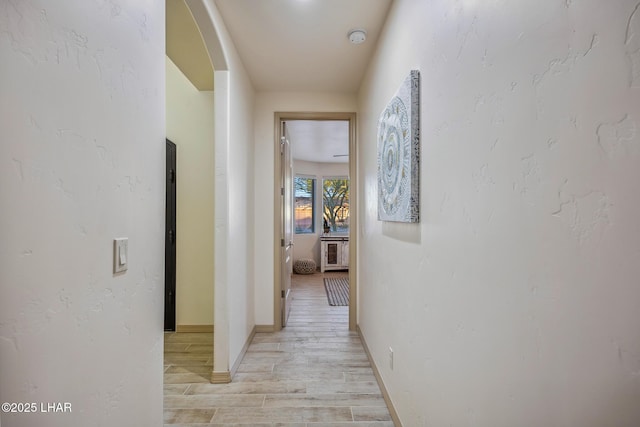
{"x": 170, "y": 241}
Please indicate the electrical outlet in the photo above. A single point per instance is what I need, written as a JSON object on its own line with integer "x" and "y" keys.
{"x": 391, "y": 358}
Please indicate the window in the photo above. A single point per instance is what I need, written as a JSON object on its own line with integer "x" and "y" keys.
{"x": 304, "y": 192}
{"x": 335, "y": 205}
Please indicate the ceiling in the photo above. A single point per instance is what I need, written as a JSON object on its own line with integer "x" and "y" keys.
{"x": 288, "y": 45}
{"x": 302, "y": 45}
{"x": 322, "y": 141}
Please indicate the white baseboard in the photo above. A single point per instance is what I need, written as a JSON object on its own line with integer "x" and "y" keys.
{"x": 220, "y": 377}
{"x": 265, "y": 328}
{"x": 238, "y": 361}
{"x": 194, "y": 328}
{"x": 383, "y": 388}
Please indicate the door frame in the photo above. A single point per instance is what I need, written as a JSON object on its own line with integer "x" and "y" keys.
{"x": 353, "y": 210}
{"x": 286, "y": 248}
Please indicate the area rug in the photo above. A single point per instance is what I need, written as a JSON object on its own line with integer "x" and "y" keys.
{"x": 337, "y": 291}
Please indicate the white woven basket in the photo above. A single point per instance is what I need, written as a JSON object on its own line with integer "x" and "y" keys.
{"x": 304, "y": 266}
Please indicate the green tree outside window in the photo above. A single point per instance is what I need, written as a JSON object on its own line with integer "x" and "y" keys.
{"x": 335, "y": 204}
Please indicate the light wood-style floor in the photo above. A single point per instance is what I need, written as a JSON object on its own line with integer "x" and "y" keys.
{"x": 314, "y": 373}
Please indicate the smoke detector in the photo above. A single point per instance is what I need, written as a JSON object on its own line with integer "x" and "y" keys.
{"x": 357, "y": 36}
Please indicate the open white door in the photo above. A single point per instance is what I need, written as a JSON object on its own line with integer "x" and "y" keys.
{"x": 286, "y": 238}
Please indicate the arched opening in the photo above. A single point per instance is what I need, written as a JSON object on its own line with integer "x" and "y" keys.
{"x": 209, "y": 77}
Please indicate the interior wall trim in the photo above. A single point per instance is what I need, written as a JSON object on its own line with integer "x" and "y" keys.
{"x": 383, "y": 389}
{"x": 194, "y": 328}
{"x": 238, "y": 361}
{"x": 218, "y": 377}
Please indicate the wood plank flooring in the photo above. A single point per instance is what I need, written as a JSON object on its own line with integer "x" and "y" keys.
{"x": 313, "y": 373}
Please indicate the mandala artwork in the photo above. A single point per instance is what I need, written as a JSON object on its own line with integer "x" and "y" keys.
{"x": 399, "y": 154}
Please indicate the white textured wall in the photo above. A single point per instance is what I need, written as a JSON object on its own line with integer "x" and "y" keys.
{"x": 82, "y": 113}
{"x": 308, "y": 245}
{"x": 242, "y": 209}
{"x": 190, "y": 127}
{"x": 515, "y": 301}
{"x": 266, "y": 105}
{"x": 234, "y": 192}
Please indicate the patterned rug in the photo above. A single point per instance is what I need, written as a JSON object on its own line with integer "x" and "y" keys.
{"x": 337, "y": 291}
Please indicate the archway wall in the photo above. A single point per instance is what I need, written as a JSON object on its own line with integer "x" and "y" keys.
{"x": 234, "y": 195}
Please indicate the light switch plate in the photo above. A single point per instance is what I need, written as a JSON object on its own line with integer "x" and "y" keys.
{"x": 120, "y": 254}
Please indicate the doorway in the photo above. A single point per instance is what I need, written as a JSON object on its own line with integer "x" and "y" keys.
{"x": 280, "y": 270}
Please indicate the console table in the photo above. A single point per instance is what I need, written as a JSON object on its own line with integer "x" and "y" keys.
{"x": 334, "y": 253}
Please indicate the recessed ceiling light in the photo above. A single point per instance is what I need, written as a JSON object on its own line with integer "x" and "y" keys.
{"x": 357, "y": 36}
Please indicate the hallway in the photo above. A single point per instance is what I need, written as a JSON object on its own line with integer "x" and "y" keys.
{"x": 314, "y": 373}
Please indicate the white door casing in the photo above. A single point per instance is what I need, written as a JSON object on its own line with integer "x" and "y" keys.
{"x": 286, "y": 240}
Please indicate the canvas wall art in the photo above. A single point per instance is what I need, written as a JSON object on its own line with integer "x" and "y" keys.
{"x": 399, "y": 154}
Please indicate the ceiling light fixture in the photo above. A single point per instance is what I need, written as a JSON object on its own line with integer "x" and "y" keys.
{"x": 357, "y": 36}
